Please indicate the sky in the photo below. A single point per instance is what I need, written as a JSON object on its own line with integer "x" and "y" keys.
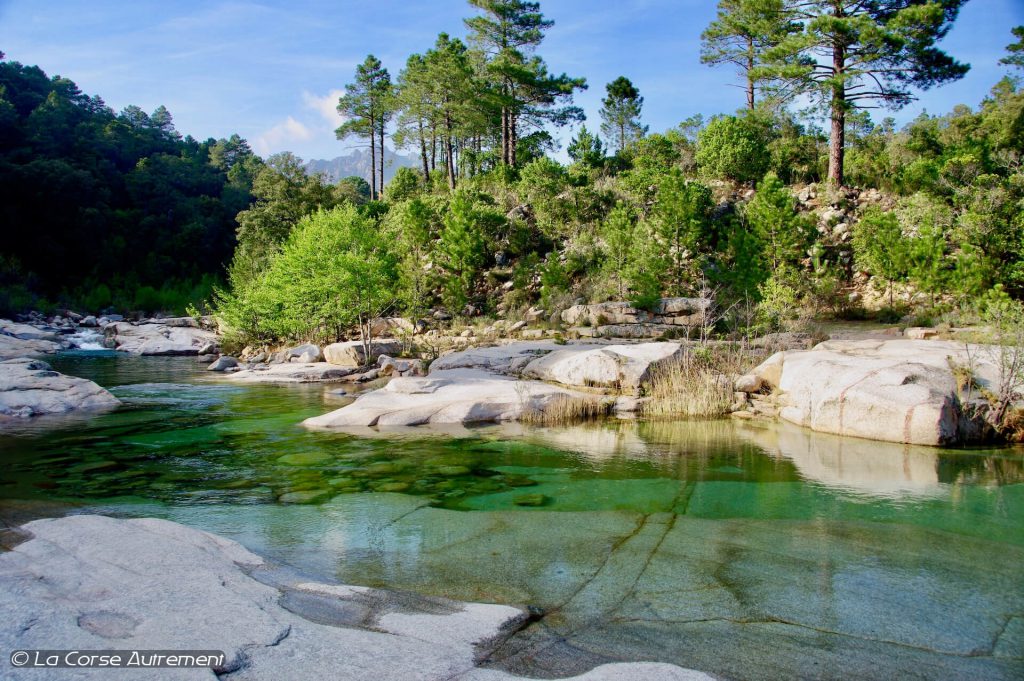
{"x": 273, "y": 71}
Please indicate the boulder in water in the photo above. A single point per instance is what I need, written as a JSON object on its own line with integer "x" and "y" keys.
{"x": 31, "y": 388}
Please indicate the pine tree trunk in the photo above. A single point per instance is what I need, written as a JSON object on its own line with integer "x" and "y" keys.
{"x": 381, "y": 183}
{"x": 373, "y": 158}
{"x": 423, "y": 153}
{"x": 512, "y": 140}
{"x": 504, "y": 136}
{"x": 837, "y": 139}
{"x": 750, "y": 77}
{"x": 448, "y": 152}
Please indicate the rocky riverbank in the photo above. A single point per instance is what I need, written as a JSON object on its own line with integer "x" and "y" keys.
{"x": 94, "y": 583}
{"x": 533, "y": 381}
{"x": 902, "y": 390}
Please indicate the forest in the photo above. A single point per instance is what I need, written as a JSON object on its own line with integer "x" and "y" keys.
{"x": 805, "y": 203}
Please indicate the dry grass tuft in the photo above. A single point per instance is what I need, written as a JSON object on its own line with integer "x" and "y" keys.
{"x": 697, "y": 385}
{"x": 567, "y": 409}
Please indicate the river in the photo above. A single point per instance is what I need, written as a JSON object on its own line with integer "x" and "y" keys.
{"x": 744, "y": 550}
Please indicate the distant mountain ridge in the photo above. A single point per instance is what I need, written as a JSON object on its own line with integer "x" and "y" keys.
{"x": 358, "y": 163}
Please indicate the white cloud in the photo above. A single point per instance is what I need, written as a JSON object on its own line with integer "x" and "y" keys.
{"x": 326, "y": 106}
{"x": 287, "y": 132}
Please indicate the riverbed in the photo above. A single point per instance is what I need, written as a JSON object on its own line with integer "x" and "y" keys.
{"x": 743, "y": 550}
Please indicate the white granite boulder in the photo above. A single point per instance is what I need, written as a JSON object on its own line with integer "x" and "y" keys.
{"x": 31, "y": 388}
{"x": 446, "y": 397}
{"x": 158, "y": 338}
{"x": 621, "y": 367}
{"x": 353, "y": 353}
{"x": 897, "y": 391}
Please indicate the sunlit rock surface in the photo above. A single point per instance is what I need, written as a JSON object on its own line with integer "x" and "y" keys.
{"x": 92, "y": 582}
{"x": 31, "y": 388}
{"x": 895, "y": 391}
{"x": 178, "y": 336}
{"x": 503, "y": 383}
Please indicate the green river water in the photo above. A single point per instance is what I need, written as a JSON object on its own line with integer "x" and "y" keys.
{"x": 747, "y": 551}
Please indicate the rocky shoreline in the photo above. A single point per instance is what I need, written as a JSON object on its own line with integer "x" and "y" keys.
{"x": 94, "y": 583}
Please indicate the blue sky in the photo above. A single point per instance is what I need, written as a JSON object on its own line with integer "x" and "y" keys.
{"x": 272, "y": 71}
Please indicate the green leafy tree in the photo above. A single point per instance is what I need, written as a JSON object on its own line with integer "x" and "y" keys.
{"x": 733, "y": 147}
{"x": 618, "y": 233}
{"x": 772, "y": 216}
{"x": 852, "y": 54}
{"x": 620, "y": 113}
{"x": 462, "y": 246}
{"x": 528, "y": 96}
{"x": 681, "y": 222}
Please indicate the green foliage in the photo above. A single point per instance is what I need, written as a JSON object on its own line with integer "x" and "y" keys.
{"x": 680, "y": 221}
{"x": 733, "y": 147}
{"x": 620, "y": 113}
{"x": 463, "y": 246}
{"x": 335, "y": 271}
{"x": 773, "y": 218}
{"x": 881, "y": 249}
{"x": 586, "y": 149}
{"x": 93, "y": 197}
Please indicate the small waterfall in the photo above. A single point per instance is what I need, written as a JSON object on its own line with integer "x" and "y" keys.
{"x": 87, "y": 339}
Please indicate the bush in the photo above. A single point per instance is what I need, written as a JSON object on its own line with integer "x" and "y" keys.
{"x": 733, "y": 147}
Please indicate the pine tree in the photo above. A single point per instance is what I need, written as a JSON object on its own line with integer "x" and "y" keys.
{"x": 850, "y": 54}
{"x": 620, "y": 113}
{"x": 740, "y": 35}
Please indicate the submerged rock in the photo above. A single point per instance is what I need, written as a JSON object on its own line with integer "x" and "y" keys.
{"x": 93, "y": 583}
{"x": 30, "y": 388}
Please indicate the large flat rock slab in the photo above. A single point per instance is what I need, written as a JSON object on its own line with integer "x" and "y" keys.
{"x": 897, "y": 391}
{"x": 312, "y": 372}
{"x": 31, "y": 388}
{"x": 92, "y": 582}
{"x": 446, "y": 397}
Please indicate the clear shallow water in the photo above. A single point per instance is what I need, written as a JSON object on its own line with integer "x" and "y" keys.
{"x": 747, "y": 551}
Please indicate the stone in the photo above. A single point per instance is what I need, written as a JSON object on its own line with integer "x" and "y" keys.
{"x": 749, "y": 383}
{"x": 517, "y": 326}
{"x": 388, "y": 326}
{"x": 770, "y": 370}
{"x": 13, "y": 348}
{"x": 534, "y": 314}
{"x": 508, "y": 359}
{"x": 920, "y": 333}
{"x": 308, "y": 357}
{"x": 353, "y": 354}
{"x": 94, "y": 583}
{"x": 159, "y": 338}
{"x": 312, "y": 496}
{"x": 897, "y": 390}
{"x": 634, "y": 330}
{"x": 624, "y": 368}
{"x": 681, "y": 306}
{"x": 30, "y": 388}
{"x": 317, "y": 372}
{"x": 402, "y": 367}
{"x": 446, "y": 397}
{"x": 304, "y": 354}
{"x": 223, "y": 363}
{"x": 26, "y": 331}
{"x": 89, "y": 321}
{"x": 530, "y": 500}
